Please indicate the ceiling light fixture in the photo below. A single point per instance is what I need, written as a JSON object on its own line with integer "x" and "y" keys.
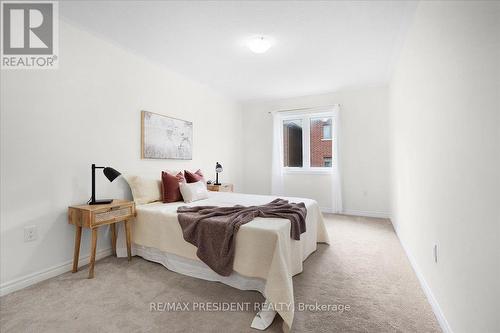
{"x": 259, "y": 44}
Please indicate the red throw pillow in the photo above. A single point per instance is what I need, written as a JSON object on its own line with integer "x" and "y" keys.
{"x": 194, "y": 177}
{"x": 170, "y": 186}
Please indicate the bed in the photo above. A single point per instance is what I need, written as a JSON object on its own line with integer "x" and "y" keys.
{"x": 265, "y": 259}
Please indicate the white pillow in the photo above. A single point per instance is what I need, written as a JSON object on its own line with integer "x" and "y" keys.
{"x": 144, "y": 190}
{"x": 193, "y": 191}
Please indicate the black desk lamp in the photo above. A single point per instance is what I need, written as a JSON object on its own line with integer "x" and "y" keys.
{"x": 218, "y": 169}
{"x": 111, "y": 174}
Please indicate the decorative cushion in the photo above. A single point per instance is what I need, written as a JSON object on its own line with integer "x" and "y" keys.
{"x": 170, "y": 188}
{"x": 144, "y": 190}
{"x": 193, "y": 191}
{"x": 194, "y": 177}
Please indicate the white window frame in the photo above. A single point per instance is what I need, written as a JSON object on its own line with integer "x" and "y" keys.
{"x": 306, "y": 141}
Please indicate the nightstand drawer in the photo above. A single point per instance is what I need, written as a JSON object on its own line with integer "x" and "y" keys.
{"x": 220, "y": 188}
{"x": 112, "y": 215}
{"x": 226, "y": 188}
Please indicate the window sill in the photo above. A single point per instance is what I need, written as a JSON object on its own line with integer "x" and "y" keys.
{"x": 311, "y": 171}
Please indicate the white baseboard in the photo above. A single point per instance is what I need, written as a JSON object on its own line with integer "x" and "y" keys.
{"x": 30, "y": 279}
{"x": 364, "y": 213}
{"x": 445, "y": 326}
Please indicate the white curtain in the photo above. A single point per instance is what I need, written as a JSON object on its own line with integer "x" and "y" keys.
{"x": 336, "y": 172}
{"x": 277, "y": 184}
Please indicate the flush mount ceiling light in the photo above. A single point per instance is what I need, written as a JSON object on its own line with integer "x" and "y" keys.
{"x": 259, "y": 44}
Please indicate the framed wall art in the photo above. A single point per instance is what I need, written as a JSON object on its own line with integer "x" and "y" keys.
{"x": 164, "y": 137}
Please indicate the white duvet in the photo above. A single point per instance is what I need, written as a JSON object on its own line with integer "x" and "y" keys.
{"x": 264, "y": 248}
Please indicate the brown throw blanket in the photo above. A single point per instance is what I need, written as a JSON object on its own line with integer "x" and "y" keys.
{"x": 213, "y": 229}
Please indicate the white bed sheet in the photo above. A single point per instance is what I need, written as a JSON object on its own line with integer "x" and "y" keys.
{"x": 264, "y": 250}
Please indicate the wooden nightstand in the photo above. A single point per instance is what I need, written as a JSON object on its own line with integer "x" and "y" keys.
{"x": 94, "y": 216}
{"x": 220, "y": 188}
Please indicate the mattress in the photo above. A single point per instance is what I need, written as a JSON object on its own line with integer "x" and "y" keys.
{"x": 264, "y": 250}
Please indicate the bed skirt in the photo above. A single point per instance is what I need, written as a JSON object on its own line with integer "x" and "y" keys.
{"x": 262, "y": 320}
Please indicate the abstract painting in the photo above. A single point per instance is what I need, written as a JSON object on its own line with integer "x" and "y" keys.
{"x": 165, "y": 137}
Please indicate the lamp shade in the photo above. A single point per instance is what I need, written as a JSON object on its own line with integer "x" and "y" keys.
{"x": 218, "y": 167}
{"x": 111, "y": 173}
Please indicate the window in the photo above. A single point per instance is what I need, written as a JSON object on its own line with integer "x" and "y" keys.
{"x": 292, "y": 143}
{"x": 307, "y": 142}
{"x": 327, "y": 129}
{"x": 319, "y": 147}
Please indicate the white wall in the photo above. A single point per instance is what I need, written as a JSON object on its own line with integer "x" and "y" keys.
{"x": 445, "y": 157}
{"x": 55, "y": 123}
{"x": 364, "y": 145}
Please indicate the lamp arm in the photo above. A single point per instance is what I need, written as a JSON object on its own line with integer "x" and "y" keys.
{"x": 92, "y": 198}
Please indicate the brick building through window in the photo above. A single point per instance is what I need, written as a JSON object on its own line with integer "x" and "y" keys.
{"x": 321, "y": 142}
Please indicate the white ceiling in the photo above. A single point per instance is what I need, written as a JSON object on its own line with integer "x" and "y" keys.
{"x": 320, "y": 46}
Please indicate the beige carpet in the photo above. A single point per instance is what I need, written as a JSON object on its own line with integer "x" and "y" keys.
{"x": 364, "y": 267}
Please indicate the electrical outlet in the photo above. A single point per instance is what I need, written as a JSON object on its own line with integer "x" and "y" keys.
{"x": 435, "y": 253}
{"x": 30, "y": 233}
